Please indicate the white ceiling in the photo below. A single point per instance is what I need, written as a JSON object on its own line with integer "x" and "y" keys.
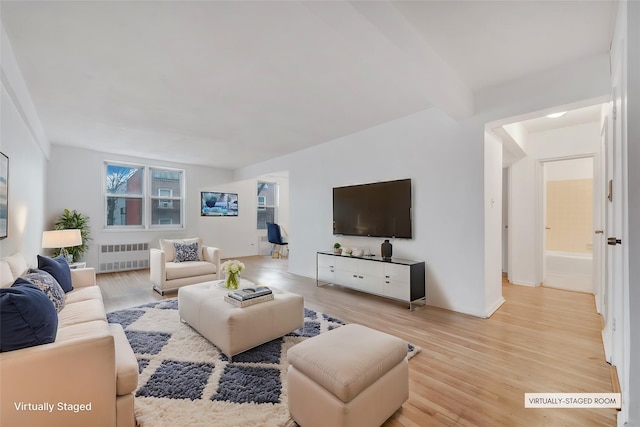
{"x": 571, "y": 118}
{"x": 234, "y": 83}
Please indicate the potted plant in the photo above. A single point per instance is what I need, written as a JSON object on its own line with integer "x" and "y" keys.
{"x": 337, "y": 248}
{"x": 72, "y": 220}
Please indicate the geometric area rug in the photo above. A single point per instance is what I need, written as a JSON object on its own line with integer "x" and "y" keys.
{"x": 184, "y": 380}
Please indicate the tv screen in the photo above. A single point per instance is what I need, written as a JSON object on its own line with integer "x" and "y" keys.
{"x": 218, "y": 204}
{"x": 381, "y": 209}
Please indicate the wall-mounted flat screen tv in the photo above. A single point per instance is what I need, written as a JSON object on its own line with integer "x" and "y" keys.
{"x": 218, "y": 204}
{"x": 381, "y": 209}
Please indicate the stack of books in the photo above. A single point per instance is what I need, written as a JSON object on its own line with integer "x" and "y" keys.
{"x": 249, "y": 296}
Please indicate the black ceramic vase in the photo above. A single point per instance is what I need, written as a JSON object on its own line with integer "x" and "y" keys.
{"x": 386, "y": 249}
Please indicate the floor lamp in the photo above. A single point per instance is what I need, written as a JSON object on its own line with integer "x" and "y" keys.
{"x": 62, "y": 239}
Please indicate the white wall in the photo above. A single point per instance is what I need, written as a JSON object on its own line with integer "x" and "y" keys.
{"x": 492, "y": 223}
{"x": 632, "y": 317}
{"x": 75, "y": 180}
{"x": 626, "y": 51}
{"x": 441, "y": 158}
{"x": 525, "y": 185}
{"x": 235, "y": 236}
{"x": 569, "y": 169}
{"x": 445, "y": 160}
{"x": 21, "y": 139}
{"x": 239, "y": 236}
{"x": 27, "y": 166}
{"x": 284, "y": 212}
{"x": 505, "y": 219}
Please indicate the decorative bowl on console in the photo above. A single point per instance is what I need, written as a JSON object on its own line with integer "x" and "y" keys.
{"x": 357, "y": 252}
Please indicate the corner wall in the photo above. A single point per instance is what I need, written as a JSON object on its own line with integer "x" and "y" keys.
{"x": 21, "y": 139}
{"x": 239, "y": 236}
{"x": 629, "y": 23}
{"x": 492, "y": 224}
{"x": 75, "y": 180}
{"x": 525, "y": 252}
{"x": 445, "y": 160}
{"x": 440, "y": 156}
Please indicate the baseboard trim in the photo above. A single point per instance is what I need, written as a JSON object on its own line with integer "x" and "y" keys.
{"x": 606, "y": 344}
{"x": 615, "y": 381}
{"x": 496, "y": 305}
{"x": 523, "y": 283}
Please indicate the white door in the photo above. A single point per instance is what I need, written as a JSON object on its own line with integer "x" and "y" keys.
{"x": 505, "y": 219}
{"x": 599, "y": 220}
{"x": 613, "y": 296}
{"x": 568, "y": 206}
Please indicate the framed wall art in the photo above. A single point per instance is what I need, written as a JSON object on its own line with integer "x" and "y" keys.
{"x": 218, "y": 204}
{"x": 4, "y": 195}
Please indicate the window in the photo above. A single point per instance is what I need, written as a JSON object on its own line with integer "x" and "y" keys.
{"x": 143, "y": 197}
{"x": 262, "y": 203}
{"x": 165, "y": 203}
{"x": 267, "y": 203}
{"x": 124, "y": 195}
{"x": 166, "y": 200}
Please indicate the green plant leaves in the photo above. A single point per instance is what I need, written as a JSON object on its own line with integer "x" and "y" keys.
{"x": 73, "y": 220}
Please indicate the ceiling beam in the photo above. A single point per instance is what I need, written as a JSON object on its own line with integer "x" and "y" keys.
{"x": 378, "y": 30}
{"x": 441, "y": 82}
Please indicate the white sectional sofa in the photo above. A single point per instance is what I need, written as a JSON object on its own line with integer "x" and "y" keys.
{"x": 87, "y": 377}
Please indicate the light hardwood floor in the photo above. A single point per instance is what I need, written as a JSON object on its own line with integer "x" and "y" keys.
{"x": 471, "y": 371}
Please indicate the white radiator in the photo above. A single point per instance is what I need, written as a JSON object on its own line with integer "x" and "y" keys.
{"x": 124, "y": 256}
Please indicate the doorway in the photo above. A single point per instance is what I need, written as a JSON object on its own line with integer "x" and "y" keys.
{"x": 568, "y": 215}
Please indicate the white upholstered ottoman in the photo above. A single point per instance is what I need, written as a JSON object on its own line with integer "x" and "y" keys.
{"x": 233, "y": 329}
{"x": 351, "y": 376}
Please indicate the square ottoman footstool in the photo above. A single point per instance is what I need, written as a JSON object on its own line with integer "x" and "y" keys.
{"x": 235, "y": 330}
{"x": 351, "y": 376}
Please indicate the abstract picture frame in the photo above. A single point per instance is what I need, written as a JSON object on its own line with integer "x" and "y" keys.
{"x": 4, "y": 196}
{"x": 218, "y": 204}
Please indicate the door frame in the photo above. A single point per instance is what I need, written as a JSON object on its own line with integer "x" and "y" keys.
{"x": 540, "y": 195}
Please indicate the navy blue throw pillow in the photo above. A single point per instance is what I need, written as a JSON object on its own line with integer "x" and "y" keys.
{"x": 47, "y": 284}
{"x": 186, "y": 252}
{"x": 27, "y": 315}
{"x": 58, "y": 267}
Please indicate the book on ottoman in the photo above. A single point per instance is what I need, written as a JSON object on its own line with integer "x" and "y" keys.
{"x": 248, "y": 302}
{"x": 249, "y": 293}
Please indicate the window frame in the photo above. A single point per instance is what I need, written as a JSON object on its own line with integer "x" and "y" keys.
{"x": 171, "y": 198}
{"x": 146, "y": 197}
{"x": 266, "y": 206}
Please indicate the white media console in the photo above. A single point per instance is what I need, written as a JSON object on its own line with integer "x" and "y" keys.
{"x": 396, "y": 278}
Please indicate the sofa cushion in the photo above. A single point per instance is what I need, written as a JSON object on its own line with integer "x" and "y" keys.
{"x": 27, "y": 316}
{"x": 186, "y": 252}
{"x": 17, "y": 264}
{"x": 347, "y": 360}
{"x": 189, "y": 269}
{"x": 48, "y": 285}
{"x": 81, "y": 311}
{"x": 84, "y": 294}
{"x": 166, "y": 245}
{"x": 58, "y": 267}
{"x": 126, "y": 362}
{"x": 83, "y": 277}
{"x": 82, "y": 331}
{"x": 6, "y": 278}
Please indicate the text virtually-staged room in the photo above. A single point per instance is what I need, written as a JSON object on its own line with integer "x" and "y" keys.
{"x": 319, "y": 213}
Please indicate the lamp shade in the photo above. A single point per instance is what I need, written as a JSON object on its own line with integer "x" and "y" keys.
{"x": 61, "y": 238}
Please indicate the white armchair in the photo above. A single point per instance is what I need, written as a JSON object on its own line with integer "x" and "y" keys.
{"x": 168, "y": 275}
